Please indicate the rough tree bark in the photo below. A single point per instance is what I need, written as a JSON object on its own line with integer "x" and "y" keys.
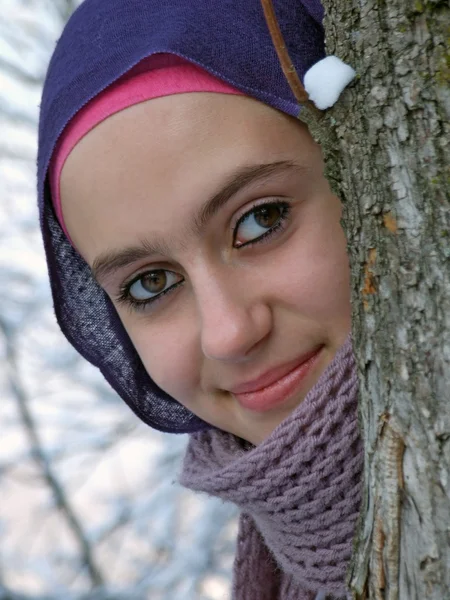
{"x": 386, "y": 147}
{"x": 389, "y": 160}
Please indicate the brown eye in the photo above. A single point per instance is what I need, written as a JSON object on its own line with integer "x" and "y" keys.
{"x": 259, "y": 222}
{"x": 267, "y": 216}
{"x": 154, "y": 282}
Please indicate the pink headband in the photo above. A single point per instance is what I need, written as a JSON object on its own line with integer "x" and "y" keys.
{"x": 154, "y": 77}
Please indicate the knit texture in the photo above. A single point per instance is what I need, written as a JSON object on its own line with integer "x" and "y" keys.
{"x": 299, "y": 491}
{"x": 102, "y": 41}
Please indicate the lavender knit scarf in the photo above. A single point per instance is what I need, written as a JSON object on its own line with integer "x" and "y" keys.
{"x": 299, "y": 491}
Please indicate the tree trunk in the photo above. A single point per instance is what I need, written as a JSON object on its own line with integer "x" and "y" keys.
{"x": 391, "y": 169}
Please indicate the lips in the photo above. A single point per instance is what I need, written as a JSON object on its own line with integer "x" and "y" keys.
{"x": 276, "y": 385}
{"x": 271, "y": 376}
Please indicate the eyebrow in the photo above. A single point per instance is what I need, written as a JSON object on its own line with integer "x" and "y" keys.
{"x": 110, "y": 261}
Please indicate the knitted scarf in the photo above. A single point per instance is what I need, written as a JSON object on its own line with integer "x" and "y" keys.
{"x": 299, "y": 491}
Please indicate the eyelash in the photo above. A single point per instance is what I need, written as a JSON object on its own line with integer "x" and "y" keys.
{"x": 285, "y": 212}
{"x": 124, "y": 296}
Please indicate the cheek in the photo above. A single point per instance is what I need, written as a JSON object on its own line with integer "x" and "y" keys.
{"x": 169, "y": 353}
{"x": 317, "y": 274}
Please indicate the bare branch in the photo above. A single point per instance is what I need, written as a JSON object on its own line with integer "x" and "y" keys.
{"x": 19, "y": 74}
{"x": 283, "y": 55}
{"x": 40, "y": 457}
{"x": 98, "y": 594}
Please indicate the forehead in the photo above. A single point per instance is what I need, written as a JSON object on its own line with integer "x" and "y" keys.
{"x": 204, "y": 124}
{"x": 177, "y": 148}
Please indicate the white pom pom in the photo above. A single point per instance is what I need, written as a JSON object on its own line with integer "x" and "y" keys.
{"x": 325, "y": 81}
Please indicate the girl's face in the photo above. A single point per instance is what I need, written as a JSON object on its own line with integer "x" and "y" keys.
{"x": 209, "y": 223}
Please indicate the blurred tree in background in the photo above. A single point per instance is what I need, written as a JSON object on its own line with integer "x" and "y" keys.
{"x": 89, "y": 505}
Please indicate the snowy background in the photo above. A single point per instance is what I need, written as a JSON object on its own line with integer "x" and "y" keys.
{"x": 89, "y": 506}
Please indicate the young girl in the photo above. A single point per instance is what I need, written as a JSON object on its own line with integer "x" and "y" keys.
{"x": 196, "y": 257}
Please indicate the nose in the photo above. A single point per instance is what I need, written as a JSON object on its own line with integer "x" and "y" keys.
{"x": 234, "y": 319}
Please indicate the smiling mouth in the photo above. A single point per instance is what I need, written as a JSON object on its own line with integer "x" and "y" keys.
{"x": 270, "y": 395}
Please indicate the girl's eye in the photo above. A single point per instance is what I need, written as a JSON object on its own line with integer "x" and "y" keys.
{"x": 149, "y": 287}
{"x": 253, "y": 227}
{"x": 262, "y": 220}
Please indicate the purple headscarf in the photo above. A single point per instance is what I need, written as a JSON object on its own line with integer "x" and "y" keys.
{"x": 102, "y": 41}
